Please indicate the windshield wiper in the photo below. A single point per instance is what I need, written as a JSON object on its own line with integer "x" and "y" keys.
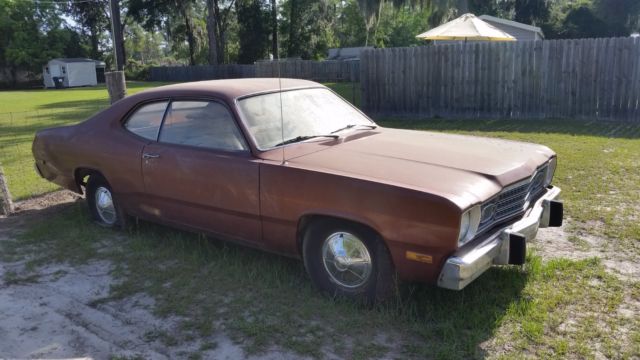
{"x": 371, "y": 126}
{"x": 305, "y": 137}
{"x": 331, "y": 135}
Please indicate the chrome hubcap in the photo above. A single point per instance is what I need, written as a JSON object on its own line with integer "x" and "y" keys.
{"x": 346, "y": 259}
{"x": 104, "y": 205}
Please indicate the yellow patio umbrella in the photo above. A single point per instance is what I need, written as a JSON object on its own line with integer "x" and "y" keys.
{"x": 466, "y": 27}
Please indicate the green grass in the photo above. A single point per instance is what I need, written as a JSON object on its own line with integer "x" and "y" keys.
{"x": 17, "y": 101}
{"x": 349, "y": 91}
{"x": 22, "y": 113}
{"x": 551, "y": 310}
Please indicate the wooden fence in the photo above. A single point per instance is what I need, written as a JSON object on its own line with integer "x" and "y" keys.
{"x": 201, "y": 72}
{"x": 586, "y": 78}
{"x": 323, "y": 71}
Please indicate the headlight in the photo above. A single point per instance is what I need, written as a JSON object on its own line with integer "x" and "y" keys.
{"x": 469, "y": 224}
{"x": 551, "y": 169}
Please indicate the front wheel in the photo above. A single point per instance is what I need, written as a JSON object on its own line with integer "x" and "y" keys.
{"x": 347, "y": 259}
{"x": 102, "y": 205}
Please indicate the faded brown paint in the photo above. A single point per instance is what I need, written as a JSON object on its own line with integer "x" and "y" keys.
{"x": 411, "y": 187}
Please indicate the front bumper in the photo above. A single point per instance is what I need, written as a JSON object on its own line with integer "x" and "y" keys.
{"x": 505, "y": 246}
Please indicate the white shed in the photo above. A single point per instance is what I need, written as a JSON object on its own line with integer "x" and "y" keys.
{"x": 69, "y": 72}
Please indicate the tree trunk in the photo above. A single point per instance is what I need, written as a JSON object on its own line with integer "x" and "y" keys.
{"x": 274, "y": 31}
{"x": 94, "y": 37}
{"x": 211, "y": 33}
{"x": 222, "y": 49}
{"x": 292, "y": 46}
{"x": 220, "y": 35}
{"x": 14, "y": 76}
{"x": 6, "y": 205}
{"x": 190, "y": 38}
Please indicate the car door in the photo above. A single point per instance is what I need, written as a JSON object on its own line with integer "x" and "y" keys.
{"x": 200, "y": 173}
{"x": 120, "y": 161}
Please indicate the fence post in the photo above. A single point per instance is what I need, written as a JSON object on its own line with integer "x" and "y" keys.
{"x": 6, "y": 205}
{"x": 115, "y": 85}
{"x": 352, "y": 78}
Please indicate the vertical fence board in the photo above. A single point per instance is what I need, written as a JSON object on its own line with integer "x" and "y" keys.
{"x": 635, "y": 81}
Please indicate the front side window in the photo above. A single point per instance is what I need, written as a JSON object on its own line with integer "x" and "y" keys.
{"x": 205, "y": 124}
{"x": 146, "y": 120}
{"x": 305, "y": 112}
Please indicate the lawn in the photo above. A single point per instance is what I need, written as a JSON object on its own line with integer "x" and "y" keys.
{"x": 551, "y": 308}
{"x": 22, "y": 113}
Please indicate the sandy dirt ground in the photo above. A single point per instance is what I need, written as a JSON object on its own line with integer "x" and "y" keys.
{"x": 556, "y": 243}
{"x": 53, "y": 314}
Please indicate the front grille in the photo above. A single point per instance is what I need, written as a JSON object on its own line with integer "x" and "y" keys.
{"x": 513, "y": 200}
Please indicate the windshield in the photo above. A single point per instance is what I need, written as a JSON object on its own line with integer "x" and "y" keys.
{"x": 306, "y": 113}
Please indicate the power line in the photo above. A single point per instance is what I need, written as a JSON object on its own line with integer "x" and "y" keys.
{"x": 63, "y": 2}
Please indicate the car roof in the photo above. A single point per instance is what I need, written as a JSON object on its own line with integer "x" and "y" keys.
{"x": 229, "y": 89}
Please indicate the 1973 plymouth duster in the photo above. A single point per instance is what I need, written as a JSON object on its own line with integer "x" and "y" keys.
{"x": 288, "y": 166}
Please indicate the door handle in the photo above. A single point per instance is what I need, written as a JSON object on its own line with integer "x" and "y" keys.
{"x": 150, "y": 156}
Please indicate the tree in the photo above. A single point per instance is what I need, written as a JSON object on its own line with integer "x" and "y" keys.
{"x": 254, "y": 21}
{"x": 592, "y": 18}
{"x": 92, "y": 18}
{"x": 218, "y": 21}
{"x": 143, "y": 46}
{"x": 308, "y": 27}
{"x": 350, "y": 29}
{"x": 399, "y": 26}
{"x": 439, "y": 10}
{"x": 621, "y": 16}
{"x": 581, "y": 22}
{"x": 531, "y": 11}
{"x": 153, "y": 14}
{"x": 274, "y": 29}
{"x": 31, "y": 34}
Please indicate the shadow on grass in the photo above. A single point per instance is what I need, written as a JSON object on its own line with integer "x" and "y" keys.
{"x": 76, "y": 105}
{"x": 263, "y": 300}
{"x": 24, "y": 125}
{"x": 609, "y": 129}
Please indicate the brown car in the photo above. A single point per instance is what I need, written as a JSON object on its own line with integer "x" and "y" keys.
{"x": 290, "y": 167}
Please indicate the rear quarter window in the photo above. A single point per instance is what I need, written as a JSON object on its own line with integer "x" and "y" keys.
{"x": 146, "y": 120}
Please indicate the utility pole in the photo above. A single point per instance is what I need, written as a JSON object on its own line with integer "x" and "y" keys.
{"x": 116, "y": 85}
{"x": 116, "y": 32}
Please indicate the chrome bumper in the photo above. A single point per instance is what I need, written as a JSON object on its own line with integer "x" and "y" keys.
{"x": 505, "y": 246}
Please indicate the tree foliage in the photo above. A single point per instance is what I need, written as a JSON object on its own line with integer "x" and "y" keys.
{"x": 254, "y": 21}
{"x": 227, "y": 31}
{"x": 31, "y": 34}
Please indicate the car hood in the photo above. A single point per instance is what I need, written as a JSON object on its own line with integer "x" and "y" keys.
{"x": 464, "y": 169}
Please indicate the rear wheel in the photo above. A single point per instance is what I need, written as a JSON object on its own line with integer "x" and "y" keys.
{"x": 347, "y": 259}
{"x": 103, "y": 206}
